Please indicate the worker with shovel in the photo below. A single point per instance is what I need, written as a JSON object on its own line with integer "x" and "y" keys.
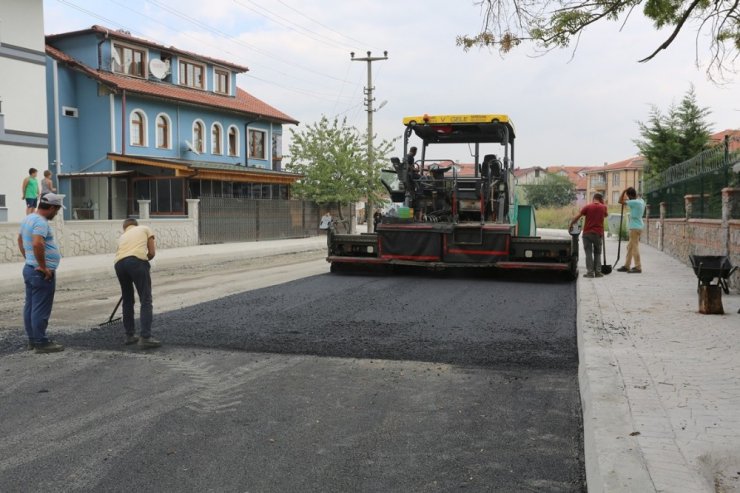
{"x": 593, "y": 234}
{"x": 135, "y": 249}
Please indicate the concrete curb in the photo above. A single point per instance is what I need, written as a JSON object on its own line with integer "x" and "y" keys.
{"x": 612, "y": 457}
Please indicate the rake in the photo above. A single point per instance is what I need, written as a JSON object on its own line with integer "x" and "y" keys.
{"x": 111, "y": 320}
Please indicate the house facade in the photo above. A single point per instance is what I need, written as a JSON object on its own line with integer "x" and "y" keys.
{"x": 23, "y": 132}
{"x": 611, "y": 179}
{"x": 131, "y": 119}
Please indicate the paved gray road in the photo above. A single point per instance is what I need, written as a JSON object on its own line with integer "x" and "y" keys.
{"x": 328, "y": 383}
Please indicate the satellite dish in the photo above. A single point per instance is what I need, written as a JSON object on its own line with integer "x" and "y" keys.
{"x": 191, "y": 147}
{"x": 158, "y": 68}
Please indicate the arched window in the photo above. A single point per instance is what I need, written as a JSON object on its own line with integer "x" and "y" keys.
{"x": 199, "y": 136}
{"x": 163, "y": 132}
{"x": 233, "y": 141}
{"x": 138, "y": 128}
{"x": 216, "y": 139}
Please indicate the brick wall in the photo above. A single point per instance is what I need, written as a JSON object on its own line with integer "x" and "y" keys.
{"x": 690, "y": 236}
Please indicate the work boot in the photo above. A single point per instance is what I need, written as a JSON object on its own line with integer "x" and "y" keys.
{"x": 149, "y": 343}
{"x": 49, "y": 347}
{"x": 598, "y": 274}
{"x": 132, "y": 339}
{"x": 623, "y": 269}
{"x": 635, "y": 270}
{"x": 589, "y": 274}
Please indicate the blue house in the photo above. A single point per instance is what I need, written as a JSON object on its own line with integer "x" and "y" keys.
{"x": 130, "y": 119}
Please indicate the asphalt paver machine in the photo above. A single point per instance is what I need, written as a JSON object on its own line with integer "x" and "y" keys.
{"x": 451, "y": 216}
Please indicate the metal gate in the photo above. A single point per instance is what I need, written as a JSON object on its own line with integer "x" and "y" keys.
{"x": 231, "y": 219}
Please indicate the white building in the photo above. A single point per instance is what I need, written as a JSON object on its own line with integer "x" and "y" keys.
{"x": 23, "y": 130}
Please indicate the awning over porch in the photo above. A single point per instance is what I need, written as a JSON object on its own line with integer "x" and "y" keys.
{"x": 208, "y": 170}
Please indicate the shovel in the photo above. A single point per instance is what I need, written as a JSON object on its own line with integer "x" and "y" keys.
{"x": 619, "y": 235}
{"x": 605, "y": 268}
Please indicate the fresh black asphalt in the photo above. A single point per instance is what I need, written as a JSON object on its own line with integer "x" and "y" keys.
{"x": 376, "y": 383}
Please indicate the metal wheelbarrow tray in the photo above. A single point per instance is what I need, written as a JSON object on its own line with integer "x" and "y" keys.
{"x": 710, "y": 267}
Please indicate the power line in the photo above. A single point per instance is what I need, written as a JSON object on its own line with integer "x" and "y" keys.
{"x": 266, "y": 53}
{"x": 325, "y": 97}
{"x": 323, "y": 25}
{"x": 272, "y": 17}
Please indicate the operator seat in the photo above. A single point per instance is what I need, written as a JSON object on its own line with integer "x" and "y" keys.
{"x": 491, "y": 166}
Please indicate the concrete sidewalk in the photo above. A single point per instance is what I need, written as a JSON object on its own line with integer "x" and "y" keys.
{"x": 89, "y": 267}
{"x": 659, "y": 381}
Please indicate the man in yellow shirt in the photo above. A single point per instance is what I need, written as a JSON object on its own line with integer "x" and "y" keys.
{"x": 135, "y": 249}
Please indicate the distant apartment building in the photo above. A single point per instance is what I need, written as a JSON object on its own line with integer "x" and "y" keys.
{"x": 611, "y": 179}
{"x": 23, "y": 131}
{"x": 134, "y": 120}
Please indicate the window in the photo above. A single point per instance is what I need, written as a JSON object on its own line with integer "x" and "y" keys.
{"x": 199, "y": 136}
{"x": 191, "y": 75}
{"x": 167, "y": 195}
{"x": 138, "y": 128}
{"x": 216, "y": 138}
{"x": 615, "y": 179}
{"x": 257, "y": 144}
{"x": 163, "y": 132}
{"x": 233, "y": 141}
{"x": 221, "y": 81}
{"x": 615, "y": 197}
{"x": 129, "y": 61}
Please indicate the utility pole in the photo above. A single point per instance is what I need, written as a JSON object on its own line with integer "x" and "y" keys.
{"x": 369, "y": 103}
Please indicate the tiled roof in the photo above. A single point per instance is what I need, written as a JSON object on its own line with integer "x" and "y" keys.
{"x": 719, "y": 138}
{"x": 636, "y": 162}
{"x": 126, "y": 36}
{"x": 242, "y": 103}
{"x": 574, "y": 174}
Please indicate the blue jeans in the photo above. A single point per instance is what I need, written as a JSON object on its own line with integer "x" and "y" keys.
{"x": 39, "y": 300}
{"x": 132, "y": 271}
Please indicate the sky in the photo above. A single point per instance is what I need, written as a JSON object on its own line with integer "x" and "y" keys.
{"x": 570, "y": 107}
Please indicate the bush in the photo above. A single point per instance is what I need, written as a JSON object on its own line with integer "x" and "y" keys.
{"x": 555, "y": 217}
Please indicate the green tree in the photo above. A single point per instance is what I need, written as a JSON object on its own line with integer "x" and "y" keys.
{"x": 332, "y": 157}
{"x": 556, "y": 23}
{"x": 672, "y": 138}
{"x": 553, "y": 191}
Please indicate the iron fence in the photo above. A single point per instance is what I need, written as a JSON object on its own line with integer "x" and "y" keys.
{"x": 704, "y": 176}
{"x": 231, "y": 219}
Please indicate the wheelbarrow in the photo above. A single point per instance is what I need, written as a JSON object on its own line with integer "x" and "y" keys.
{"x": 709, "y": 268}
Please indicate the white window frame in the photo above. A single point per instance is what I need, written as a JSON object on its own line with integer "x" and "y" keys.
{"x": 145, "y": 128}
{"x": 220, "y": 144}
{"x": 202, "y": 148}
{"x": 237, "y": 146}
{"x": 264, "y": 144}
{"x": 169, "y": 131}
{"x": 145, "y": 74}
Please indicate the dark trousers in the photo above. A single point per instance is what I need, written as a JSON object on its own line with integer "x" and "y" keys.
{"x": 39, "y": 300}
{"x": 132, "y": 271}
{"x": 592, "y": 247}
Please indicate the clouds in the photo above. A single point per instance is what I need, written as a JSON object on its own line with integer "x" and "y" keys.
{"x": 579, "y": 111}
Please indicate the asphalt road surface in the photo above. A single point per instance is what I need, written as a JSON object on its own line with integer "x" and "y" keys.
{"x": 325, "y": 383}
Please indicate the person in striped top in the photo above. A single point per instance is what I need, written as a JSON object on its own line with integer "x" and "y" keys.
{"x": 36, "y": 243}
